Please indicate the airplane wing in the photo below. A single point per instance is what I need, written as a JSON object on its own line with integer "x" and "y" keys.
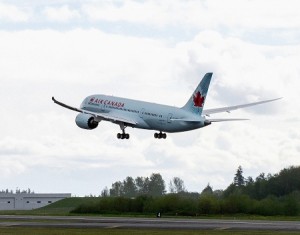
{"x": 66, "y": 106}
{"x": 114, "y": 117}
{"x": 207, "y": 112}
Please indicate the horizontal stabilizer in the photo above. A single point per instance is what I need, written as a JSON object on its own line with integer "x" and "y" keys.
{"x": 227, "y": 119}
{"x": 207, "y": 112}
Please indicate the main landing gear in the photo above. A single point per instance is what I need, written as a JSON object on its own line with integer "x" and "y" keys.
{"x": 123, "y": 135}
{"x": 160, "y": 135}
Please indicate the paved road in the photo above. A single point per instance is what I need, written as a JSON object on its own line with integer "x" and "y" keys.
{"x": 142, "y": 223}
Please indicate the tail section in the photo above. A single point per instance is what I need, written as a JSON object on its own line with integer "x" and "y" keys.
{"x": 196, "y": 103}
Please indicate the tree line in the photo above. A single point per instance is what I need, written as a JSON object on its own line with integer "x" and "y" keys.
{"x": 277, "y": 194}
{"x": 283, "y": 183}
{"x": 151, "y": 186}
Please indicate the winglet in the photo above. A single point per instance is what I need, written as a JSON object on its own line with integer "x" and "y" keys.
{"x": 65, "y": 105}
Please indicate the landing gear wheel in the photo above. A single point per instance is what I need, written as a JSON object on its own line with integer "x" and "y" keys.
{"x": 123, "y": 136}
{"x": 160, "y": 135}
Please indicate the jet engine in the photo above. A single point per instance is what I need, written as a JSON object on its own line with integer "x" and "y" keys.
{"x": 86, "y": 121}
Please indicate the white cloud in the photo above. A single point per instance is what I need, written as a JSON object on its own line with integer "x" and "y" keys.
{"x": 12, "y": 13}
{"x": 61, "y": 14}
{"x": 199, "y": 14}
{"x": 171, "y": 20}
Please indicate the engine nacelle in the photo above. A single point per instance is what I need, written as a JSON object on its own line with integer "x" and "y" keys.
{"x": 86, "y": 121}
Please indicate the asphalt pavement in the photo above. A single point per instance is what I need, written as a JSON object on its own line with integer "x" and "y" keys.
{"x": 145, "y": 223}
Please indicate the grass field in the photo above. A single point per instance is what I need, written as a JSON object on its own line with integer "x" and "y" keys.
{"x": 56, "y": 231}
{"x": 62, "y": 207}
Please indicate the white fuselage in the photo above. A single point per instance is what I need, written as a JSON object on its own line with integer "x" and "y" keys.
{"x": 147, "y": 115}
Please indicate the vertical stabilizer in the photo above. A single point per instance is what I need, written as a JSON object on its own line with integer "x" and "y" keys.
{"x": 196, "y": 103}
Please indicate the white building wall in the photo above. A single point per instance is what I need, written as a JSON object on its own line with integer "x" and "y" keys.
{"x": 7, "y": 203}
{"x": 29, "y": 201}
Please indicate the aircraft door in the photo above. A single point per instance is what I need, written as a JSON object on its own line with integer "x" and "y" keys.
{"x": 142, "y": 111}
{"x": 169, "y": 117}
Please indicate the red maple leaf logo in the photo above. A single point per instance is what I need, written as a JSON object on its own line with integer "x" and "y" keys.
{"x": 198, "y": 99}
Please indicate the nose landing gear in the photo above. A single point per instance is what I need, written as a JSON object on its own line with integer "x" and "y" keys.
{"x": 160, "y": 135}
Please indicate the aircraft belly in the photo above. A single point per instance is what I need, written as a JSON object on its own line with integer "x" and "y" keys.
{"x": 165, "y": 123}
{"x": 179, "y": 126}
{"x": 174, "y": 126}
{"x": 143, "y": 125}
{"x": 150, "y": 124}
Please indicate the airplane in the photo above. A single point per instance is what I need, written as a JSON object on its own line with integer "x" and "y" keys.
{"x": 151, "y": 116}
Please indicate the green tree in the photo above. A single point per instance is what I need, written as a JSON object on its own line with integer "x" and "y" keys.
{"x": 105, "y": 192}
{"x": 291, "y": 205}
{"x": 260, "y": 185}
{"x": 288, "y": 180}
{"x": 176, "y": 185}
{"x": 207, "y": 190}
{"x": 157, "y": 185}
{"x": 218, "y": 193}
{"x": 208, "y": 204}
{"x": 116, "y": 189}
{"x": 129, "y": 187}
{"x": 237, "y": 203}
{"x": 239, "y": 179}
{"x": 269, "y": 206}
{"x": 249, "y": 181}
{"x": 142, "y": 185}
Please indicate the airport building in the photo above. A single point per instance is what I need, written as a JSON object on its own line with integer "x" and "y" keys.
{"x": 29, "y": 201}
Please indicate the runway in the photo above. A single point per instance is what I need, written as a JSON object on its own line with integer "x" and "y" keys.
{"x": 144, "y": 223}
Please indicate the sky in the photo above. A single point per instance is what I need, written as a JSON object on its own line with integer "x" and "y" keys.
{"x": 155, "y": 51}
